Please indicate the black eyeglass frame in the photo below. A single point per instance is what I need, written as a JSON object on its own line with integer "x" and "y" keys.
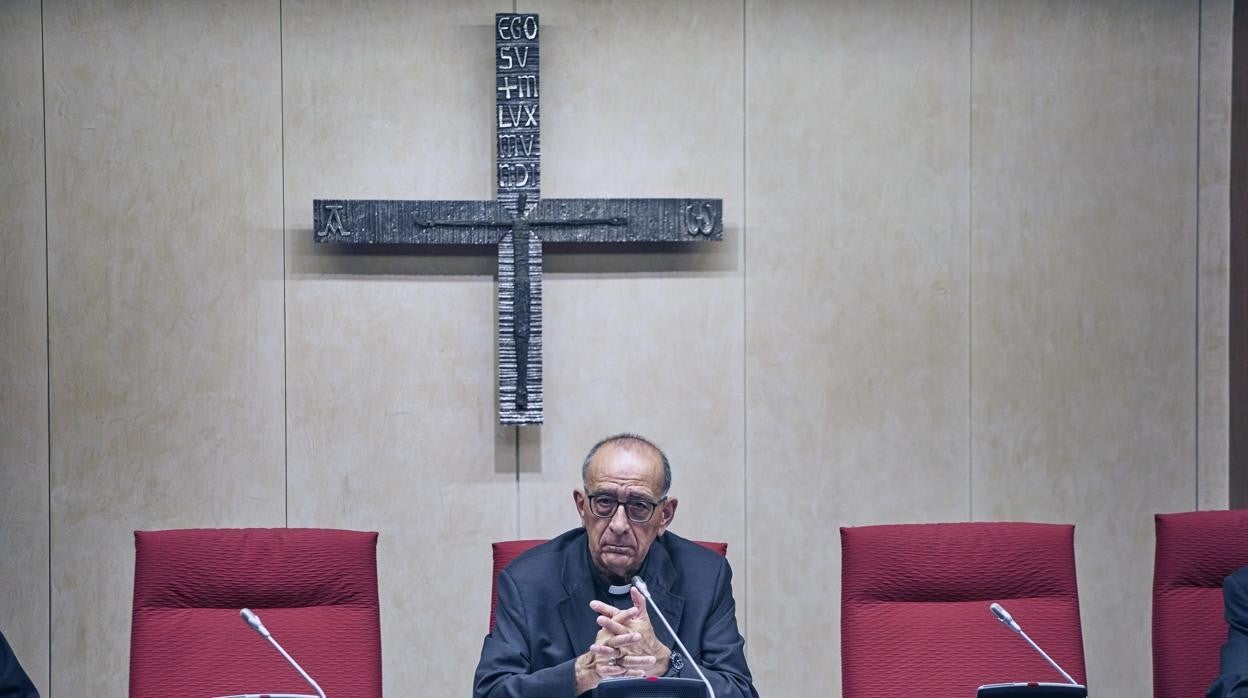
{"x": 650, "y": 506}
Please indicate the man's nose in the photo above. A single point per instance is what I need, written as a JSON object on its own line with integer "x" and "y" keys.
{"x": 619, "y": 520}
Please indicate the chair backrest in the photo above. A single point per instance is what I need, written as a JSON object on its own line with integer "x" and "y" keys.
{"x": 314, "y": 589}
{"x": 506, "y": 551}
{"x": 1195, "y": 552}
{"x": 914, "y": 607}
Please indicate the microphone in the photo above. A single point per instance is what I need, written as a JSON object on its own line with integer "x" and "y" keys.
{"x": 645, "y": 591}
{"x": 1008, "y": 621}
{"x": 254, "y": 621}
{"x": 1005, "y": 617}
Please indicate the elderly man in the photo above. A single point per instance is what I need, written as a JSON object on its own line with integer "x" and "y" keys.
{"x": 567, "y": 617}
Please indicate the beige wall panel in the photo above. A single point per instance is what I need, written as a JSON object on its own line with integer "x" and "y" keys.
{"x": 1084, "y": 258}
{"x": 165, "y": 275}
{"x": 391, "y": 359}
{"x": 23, "y": 343}
{"x": 856, "y": 326}
{"x": 1213, "y": 318}
{"x": 639, "y": 100}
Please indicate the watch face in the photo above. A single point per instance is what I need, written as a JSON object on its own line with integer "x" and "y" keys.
{"x": 677, "y": 662}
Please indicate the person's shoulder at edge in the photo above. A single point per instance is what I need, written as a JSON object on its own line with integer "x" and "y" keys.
{"x": 697, "y": 566}
{"x": 683, "y": 548}
{"x": 539, "y": 557}
{"x": 1239, "y": 577}
{"x": 1235, "y": 600}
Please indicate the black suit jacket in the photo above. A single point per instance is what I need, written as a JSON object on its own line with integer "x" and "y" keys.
{"x": 1233, "y": 682}
{"x": 543, "y": 618}
{"x": 13, "y": 680}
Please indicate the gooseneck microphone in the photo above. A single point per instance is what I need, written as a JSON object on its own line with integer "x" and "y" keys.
{"x": 1008, "y": 621}
{"x": 645, "y": 591}
{"x": 254, "y": 621}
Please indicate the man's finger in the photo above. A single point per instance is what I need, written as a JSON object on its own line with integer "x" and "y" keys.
{"x": 612, "y": 626}
{"x": 637, "y": 661}
{"x": 609, "y": 611}
{"x": 604, "y": 609}
{"x": 608, "y": 670}
{"x": 611, "y": 648}
{"x": 639, "y": 602}
{"x": 624, "y": 640}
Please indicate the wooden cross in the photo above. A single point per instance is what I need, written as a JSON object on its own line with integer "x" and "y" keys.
{"x": 518, "y": 221}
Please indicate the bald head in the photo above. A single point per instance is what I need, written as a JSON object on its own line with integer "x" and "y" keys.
{"x": 630, "y": 442}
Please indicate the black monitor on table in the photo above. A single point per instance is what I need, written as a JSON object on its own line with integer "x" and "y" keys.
{"x": 651, "y": 687}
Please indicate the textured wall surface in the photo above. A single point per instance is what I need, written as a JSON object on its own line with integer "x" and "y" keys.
{"x": 974, "y": 267}
{"x": 1084, "y": 257}
{"x": 23, "y": 343}
{"x": 856, "y": 311}
{"x": 165, "y": 298}
{"x": 1213, "y": 278}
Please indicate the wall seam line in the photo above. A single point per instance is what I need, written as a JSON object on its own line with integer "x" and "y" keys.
{"x": 47, "y": 308}
{"x": 745, "y": 318}
{"x": 281, "y": 72}
{"x": 970, "y": 265}
{"x": 1200, "y": 14}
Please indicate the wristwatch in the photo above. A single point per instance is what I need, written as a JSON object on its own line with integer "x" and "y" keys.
{"x": 675, "y": 664}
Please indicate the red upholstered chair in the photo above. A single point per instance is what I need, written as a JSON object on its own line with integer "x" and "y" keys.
{"x": 914, "y": 607}
{"x": 1195, "y": 552}
{"x": 315, "y": 590}
{"x": 506, "y": 551}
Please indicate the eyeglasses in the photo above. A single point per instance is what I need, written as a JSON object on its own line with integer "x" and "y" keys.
{"x": 637, "y": 510}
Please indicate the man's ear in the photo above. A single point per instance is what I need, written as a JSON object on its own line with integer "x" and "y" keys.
{"x": 579, "y": 498}
{"x": 667, "y": 512}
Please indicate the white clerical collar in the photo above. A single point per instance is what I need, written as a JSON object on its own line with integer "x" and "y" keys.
{"x": 619, "y": 589}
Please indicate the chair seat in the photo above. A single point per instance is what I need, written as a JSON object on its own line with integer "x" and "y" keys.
{"x": 914, "y": 607}
{"x": 314, "y": 589}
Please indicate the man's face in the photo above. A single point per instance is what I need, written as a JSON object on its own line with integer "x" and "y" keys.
{"x": 618, "y": 545}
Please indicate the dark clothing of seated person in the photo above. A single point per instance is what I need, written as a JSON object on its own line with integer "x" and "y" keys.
{"x": 567, "y": 617}
{"x": 14, "y": 683}
{"x": 1233, "y": 681}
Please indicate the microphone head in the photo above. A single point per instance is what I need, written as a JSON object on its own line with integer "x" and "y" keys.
{"x": 254, "y": 621}
{"x": 1004, "y": 616}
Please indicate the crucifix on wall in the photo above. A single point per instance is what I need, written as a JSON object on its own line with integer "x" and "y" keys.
{"x": 518, "y": 221}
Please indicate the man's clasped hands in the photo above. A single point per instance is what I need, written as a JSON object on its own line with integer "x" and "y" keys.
{"x": 625, "y": 645}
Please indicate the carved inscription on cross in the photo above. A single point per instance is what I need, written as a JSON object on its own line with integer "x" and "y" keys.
{"x": 518, "y": 221}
